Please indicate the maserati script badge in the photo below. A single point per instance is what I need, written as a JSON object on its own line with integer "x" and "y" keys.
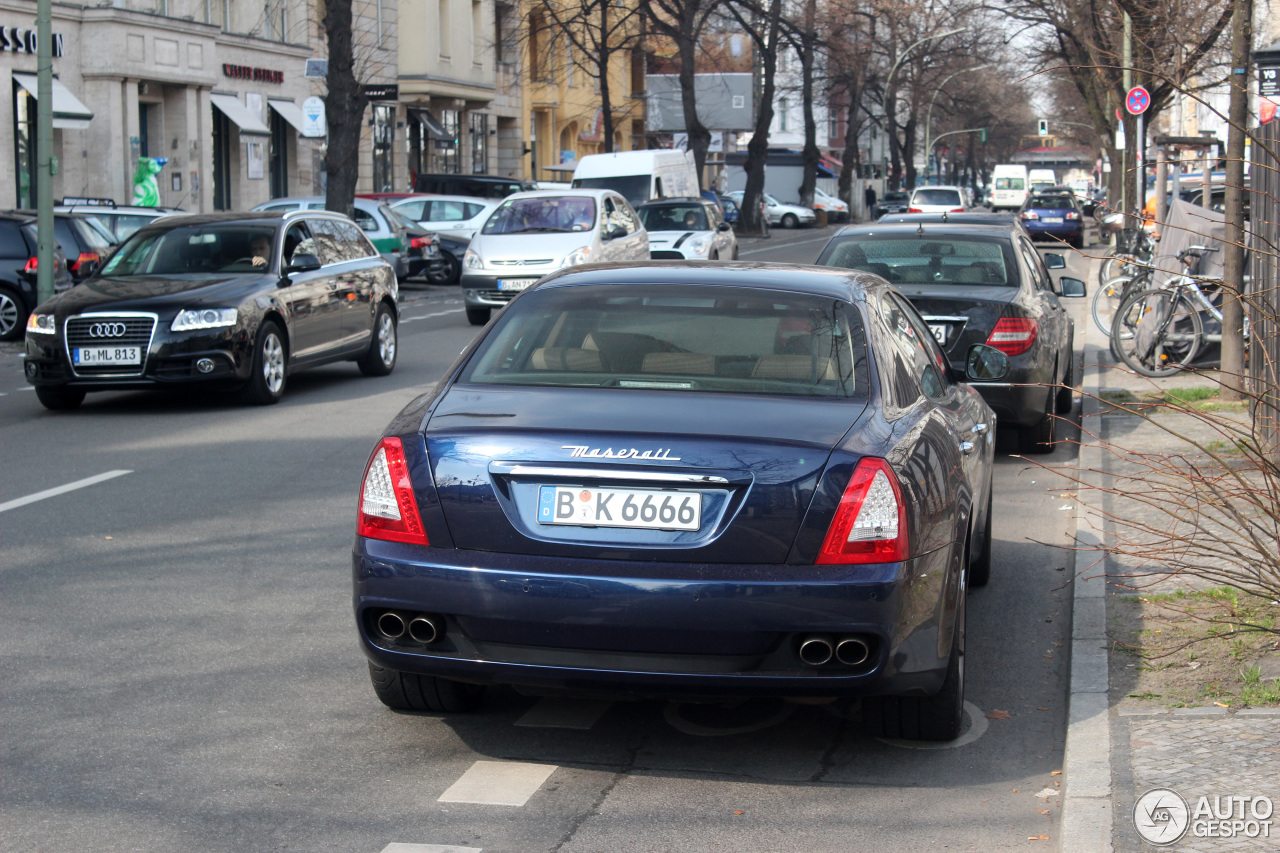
{"x": 581, "y": 451}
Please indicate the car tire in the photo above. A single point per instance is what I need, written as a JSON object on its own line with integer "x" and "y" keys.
{"x": 269, "y": 371}
{"x": 13, "y": 315}
{"x": 59, "y": 399}
{"x": 478, "y": 316}
{"x": 380, "y": 360}
{"x": 789, "y": 220}
{"x": 1063, "y": 401}
{"x": 980, "y": 567}
{"x": 444, "y": 271}
{"x": 409, "y": 691}
{"x": 1037, "y": 438}
{"x": 935, "y": 718}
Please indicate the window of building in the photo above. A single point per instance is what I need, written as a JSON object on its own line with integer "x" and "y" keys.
{"x": 222, "y": 143}
{"x": 384, "y": 125}
{"x": 444, "y": 152}
{"x": 477, "y": 31}
{"x": 279, "y": 156}
{"x": 444, "y": 25}
{"x": 24, "y": 145}
{"x": 783, "y": 117}
{"x": 479, "y": 143}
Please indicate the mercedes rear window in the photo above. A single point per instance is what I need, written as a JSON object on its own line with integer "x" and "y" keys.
{"x": 677, "y": 338}
{"x": 927, "y": 259}
{"x": 951, "y": 197}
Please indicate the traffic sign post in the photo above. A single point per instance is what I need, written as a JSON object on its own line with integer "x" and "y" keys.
{"x": 1136, "y": 102}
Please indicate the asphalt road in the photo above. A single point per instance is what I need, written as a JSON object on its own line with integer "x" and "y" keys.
{"x": 180, "y": 668}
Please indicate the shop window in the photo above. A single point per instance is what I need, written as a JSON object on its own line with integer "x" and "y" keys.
{"x": 24, "y": 145}
{"x": 384, "y": 125}
{"x": 479, "y": 143}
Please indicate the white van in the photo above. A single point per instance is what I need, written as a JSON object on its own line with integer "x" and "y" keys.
{"x": 640, "y": 176}
{"x": 1008, "y": 187}
{"x": 1041, "y": 179}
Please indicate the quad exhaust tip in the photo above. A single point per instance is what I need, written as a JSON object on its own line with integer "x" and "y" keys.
{"x": 822, "y": 649}
{"x": 391, "y": 625}
{"x": 426, "y": 629}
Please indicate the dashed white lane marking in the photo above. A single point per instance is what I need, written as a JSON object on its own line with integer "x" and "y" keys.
{"x": 59, "y": 490}
{"x": 397, "y": 847}
{"x": 778, "y": 246}
{"x": 429, "y": 316}
{"x": 498, "y": 783}
{"x": 563, "y": 714}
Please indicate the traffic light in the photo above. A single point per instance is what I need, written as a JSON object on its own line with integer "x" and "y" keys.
{"x": 1044, "y": 127}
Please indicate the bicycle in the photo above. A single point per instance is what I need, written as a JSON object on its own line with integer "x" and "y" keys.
{"x": 1160, "y": 330}
{"x": 1108, "y": 298}
{"x": 1133, "y": 250}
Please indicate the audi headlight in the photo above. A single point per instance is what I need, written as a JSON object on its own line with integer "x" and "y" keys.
{"x": 581, "y": 256}
{"x": 472, "y": 260}
{"x": 698, "y": 245}
{"x": 41, "y": 324}
{"x": 203, "y": 318}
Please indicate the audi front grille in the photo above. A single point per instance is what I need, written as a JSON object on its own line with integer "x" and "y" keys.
{"x": 115, "y": 330}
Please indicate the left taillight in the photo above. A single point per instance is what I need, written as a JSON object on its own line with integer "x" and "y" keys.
{"x": 388, "y": 509}
{"x": 870, "y": 524}
{"x": 420, "y": 243}
{"x": 1013, "y": 335}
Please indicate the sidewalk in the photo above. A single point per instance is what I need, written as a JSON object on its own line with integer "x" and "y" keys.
{"x": 1119, "y": 748}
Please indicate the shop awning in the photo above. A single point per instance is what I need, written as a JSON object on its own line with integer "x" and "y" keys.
{"x": 68, "y": 112}
{"x": 249, "y": 124}
{"x": 290, "y": 112}
{"x": 433, "y": 125}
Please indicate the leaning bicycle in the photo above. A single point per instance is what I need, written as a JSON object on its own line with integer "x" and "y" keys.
{"x": 1160, "y": 331}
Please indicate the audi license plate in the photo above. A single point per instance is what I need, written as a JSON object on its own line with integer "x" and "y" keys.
{"x": 106, "y": 355}
{"x": 939, "y": 332}
{"x": 646, "y": 508}
{"x": 515, "y": 283}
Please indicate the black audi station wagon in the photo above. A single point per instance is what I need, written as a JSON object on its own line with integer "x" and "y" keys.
{"x": 226, "y": 300}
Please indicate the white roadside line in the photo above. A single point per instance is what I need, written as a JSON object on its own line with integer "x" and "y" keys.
{"x": 778, "y": 246}
{"x": 498, "y": 783}
{"x": 59, "y": 490}
{"x": 428, "y": 316}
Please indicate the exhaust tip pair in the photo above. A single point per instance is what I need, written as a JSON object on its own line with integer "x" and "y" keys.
{"x": 423, "y": 628}
{"x": 821, "y": 649}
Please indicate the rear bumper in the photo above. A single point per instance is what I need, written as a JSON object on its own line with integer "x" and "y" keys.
{"x": 653, "y": 628}
{"x": 1014, "y": 404}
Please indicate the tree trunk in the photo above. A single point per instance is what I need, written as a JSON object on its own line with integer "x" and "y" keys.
{"x": 1232, "y": 371}
{"x": 810, "y": 156}
{"x": 699, "y": 136}
{"x": 758, "y": 147}
{"x": 344, "y": 104}
{"x": 908, "y": 147}
{"x": 606, "y": 104}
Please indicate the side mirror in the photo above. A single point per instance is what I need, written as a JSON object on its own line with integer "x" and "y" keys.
{"x": 615, "y": 231}
{"x": 1072, "y": 287}
{"x": 986, "y": 364}
{"x": 723, "y": 226}
{"x": 1054, "y": 261}
{"x": 303, "y": 263}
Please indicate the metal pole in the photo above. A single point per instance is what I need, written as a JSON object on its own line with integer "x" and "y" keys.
{"x": 45, "y": 161}
{"x": 1141, "y": 183}
{"x": 1162, "y": 191}
{"x": 1127, "y": 76}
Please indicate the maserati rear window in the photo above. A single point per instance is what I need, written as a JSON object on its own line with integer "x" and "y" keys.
{"x": 671, "y": 337}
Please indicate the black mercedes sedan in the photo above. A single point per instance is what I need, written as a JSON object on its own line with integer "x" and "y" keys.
{"x": 237, "y": 300}
{"x": 981, "y": 283}
{"x": 685, "y": 479}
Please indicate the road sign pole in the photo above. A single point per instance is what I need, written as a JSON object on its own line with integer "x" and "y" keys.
{"x": 1139, "y": 145}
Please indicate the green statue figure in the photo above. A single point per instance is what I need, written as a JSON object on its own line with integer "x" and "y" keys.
{"x": 146, "y": 192}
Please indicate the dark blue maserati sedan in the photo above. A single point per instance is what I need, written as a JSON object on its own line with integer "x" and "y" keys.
{"x": 686, "y": 479}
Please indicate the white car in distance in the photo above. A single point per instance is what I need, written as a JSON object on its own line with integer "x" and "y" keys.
{"x": 687, "y": 229}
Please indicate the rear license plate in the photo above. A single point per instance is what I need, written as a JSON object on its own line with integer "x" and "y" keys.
{"x": 645, "y": 508}
{"x": 939, "y": 332}
{"x": 515, "y": 283}
{"x": 106, "y": 355}
{"x": 1053, "y": 220}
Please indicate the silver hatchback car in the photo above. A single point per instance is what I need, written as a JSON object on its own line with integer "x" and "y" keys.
{"x": 532, "y": 234}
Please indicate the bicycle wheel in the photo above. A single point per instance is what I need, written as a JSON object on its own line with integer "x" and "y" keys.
{"x": 1109, "y": 297}
{"x": 1157, "y": 332}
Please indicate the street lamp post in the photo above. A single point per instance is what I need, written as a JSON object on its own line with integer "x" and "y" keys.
{"x": 928, "y": 120}
{"x": 889, "y": 120}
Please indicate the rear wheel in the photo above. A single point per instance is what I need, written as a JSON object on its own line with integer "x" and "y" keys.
{"x": 270, "y": 363}
{"x": 408, "y": 691}
{"x": 59, "y": 399}
{"x": 938, "y": 717}
{"x": 381, "y": 357}
{"x": 478, "y": 316}
{"x": 1107, "y": 299}
{"x": 445, "y": 270}
{"x": 12, "y": 316}
{"x": 1037, "y": 438}
{"x": 789, "y": 220}
{"x": 1173, "y": 339}
{"x": 980, "y": 568}
{"x": 1063, "y": 400}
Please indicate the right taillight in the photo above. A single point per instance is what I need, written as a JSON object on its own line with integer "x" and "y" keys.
{"x": 915, "y": 210}
{"x": 388, "y": 509}
{"x": 1013, "y": 335}
{"x": 870, "y": 524}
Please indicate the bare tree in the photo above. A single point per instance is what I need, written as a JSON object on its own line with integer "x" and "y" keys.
{"x": 597, "y": 30}
{"x": 682, "y": 21}
{"x": 344, "y": 105}
{"x": 764, "y": 25}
